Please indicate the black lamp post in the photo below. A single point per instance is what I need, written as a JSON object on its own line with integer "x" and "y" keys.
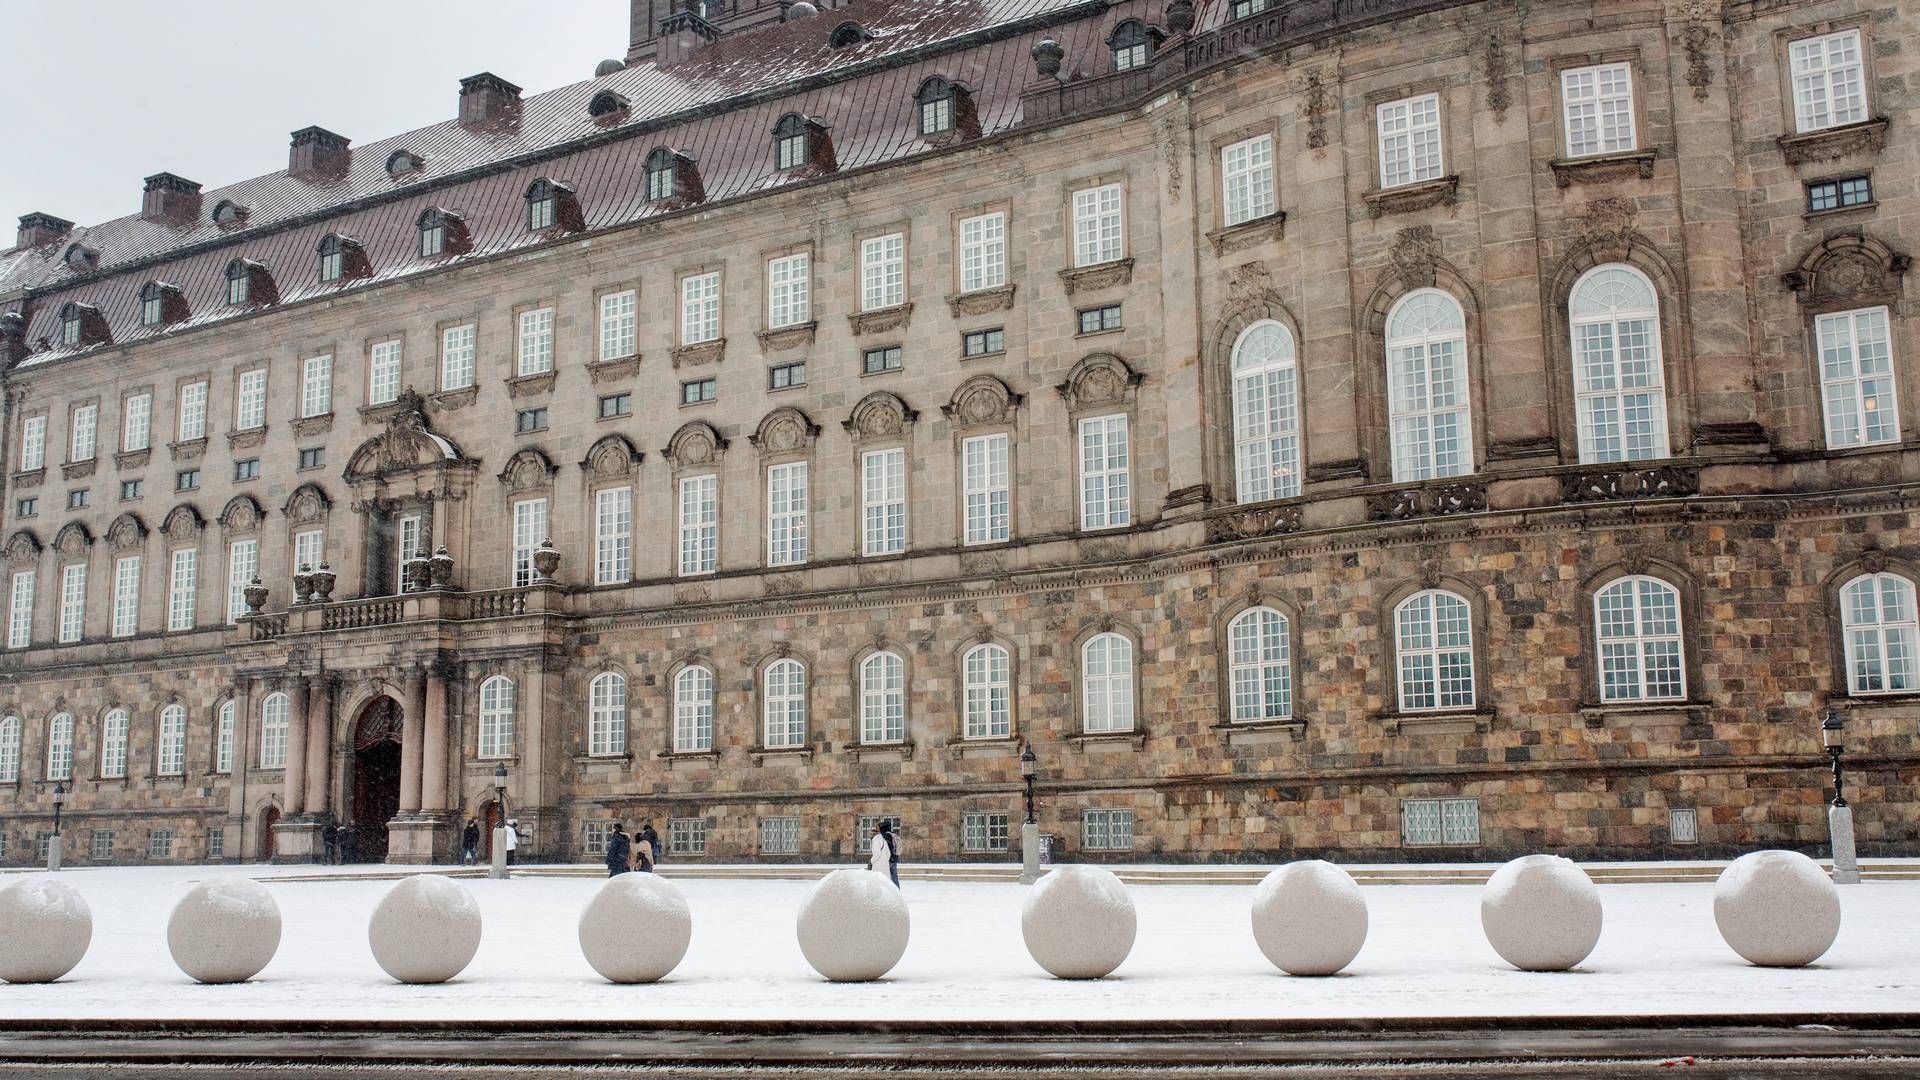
{"x": 1028, "y": 762}
{"x": 53, "y": 845}
{"x": 1831, "y": 730}
{"x": 1029, "y": 832}
{"x": 499, "y": 860}
{"x": 500, "y": 789}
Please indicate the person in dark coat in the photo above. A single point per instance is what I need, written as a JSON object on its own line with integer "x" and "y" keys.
{"x": 470, "y": 843}
{"x": 651, "y": 839}
{"x": 619, "y": 851}
{"x": 643, "y": 857}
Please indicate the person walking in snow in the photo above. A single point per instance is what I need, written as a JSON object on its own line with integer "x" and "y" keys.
{"x": 470, "y": 843}
{"x": 643, "y": 861}
{"x": 513, "y": 838}
{"x": 619, "y": 851}
{"x": 885, "y": 858}
{"x": 652, "y": 840}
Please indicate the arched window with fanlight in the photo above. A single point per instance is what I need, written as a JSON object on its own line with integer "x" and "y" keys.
{"x": 790, "y": 142}
{"x": 784, "y": 704}
{"x": 1131, "y": 44}
{"x": 10, "y": 750}
{"x": 1881, "y": 633}
{"x": 1266, "y": 413}
{"x": 1619, "y": 382}
{"x": 1259, "y": 666}
{"x": 113, "y": 744}
{"x": 496, "y": 717}
{"x": 660, "y": 175}
{"x": 607, "y": 714}
{"x": 1433, "y": 638}
{"x": 274, "y": 713}
{"x": 223, "y": 737}
{"x": 693, "y": 711}
{"x": 1637, "y": 624}
{"x": 1106, "y": 684}
{"x": 936, "y": 101}
{"x": 883, "y": 698}
{"x": 60, "y": 747}
{"x": 986, "y": 676}
{"x": 171, "y": 755}
{"x": 1428, "y": 415}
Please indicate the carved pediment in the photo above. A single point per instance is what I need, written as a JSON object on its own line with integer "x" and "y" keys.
{"x": 307, "y": 505}
{"x": 879, "y": 415}
{"x": 126, "y": 533}
{"x": 1099, "y": 380}
{"x": 1848, "y": 270}
{"x": 241, "y": 514}
{"x": 785, "y": 431}
{"x": 183, "y": 523}
{"x": 612, "y": 458}
{"x": 72, "y": 539}
{"x": 529, "y": 470}
{"x": 23, "y": 548}
{"x": 982, "y": 401}
{"x": 697, "y": 443}
{"x": 407, "y": 444}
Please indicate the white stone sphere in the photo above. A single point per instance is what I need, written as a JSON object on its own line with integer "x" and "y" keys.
{"x": 425, "y": 930}
{"x": 853, "y": 926}
{"x": 224, "y": 931}
{"x": 1777, "y": 908}
{"x": 45, "y": 928}
{"x": 1541, "y": 913}
{"x": 1309, "y": 918}
{"x": 636, "y": 928}
{"x": 1079, "y": 922}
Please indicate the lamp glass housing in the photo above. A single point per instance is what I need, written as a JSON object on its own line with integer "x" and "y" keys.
{"x": 1830, "y": 730}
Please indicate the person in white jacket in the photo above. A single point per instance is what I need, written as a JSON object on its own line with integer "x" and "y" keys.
{"x": 885, "y": 857}
{"x": 513, "y": 839}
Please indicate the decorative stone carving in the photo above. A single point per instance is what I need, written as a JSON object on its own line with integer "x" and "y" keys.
{"x": 982, "y": 401}
{"x": 305, "y": 427}
{"x": 636, "y": 929}
{"x": 1697, "y": 40}
{"x": 224, "y": 931}
{"x": 1865, "y": 137}
{"x": 612, "y": 458}
{"x": 308, "y": 505}
{"x": 1658, "y": 482}
{"x": 1848, "y": 269}
{"x": 1269, "y": 229}
{"x": 697, "y": 443}
{"x": 1100, "y": 380}
{"x": 546, "y": 560}
{"x": 1601, "y": 168}
{"x": 981, "y": 302}
{"x": 1406, "y": 198}
{"x": 255, "y": 595}
{"x": 525, "y": 386}
{"x": 528, "y": 470}
{"x": 426, "y": 930}
{"x": 1607, "y": 224}
{"x": 182, "y": 524}
{"x": 1252, "y": 521}
{"x": 23, "y": 549}
{"x": 241, "y": 515}
{"x": 1179, "y": 16}
{"x": 47, "y": 930}
{"x": 188, "y": 451}
{"x": 322, "y": 581}
{"x": 79, "y": 470}
{"x": 1047, "y": 55}
{"x": 613, "y": 371}
{"x": 1499, "y": 98}
{"x": 1309, "y": 918}
{"x": 1776, "y": 908}
{"x": 853, "y": 925}
{"x": 881, "y": 320}
{"x": 1541, "y": 913}
{"x": 879, "y": 415}
{"x": 1078, "y": 922}
{"x": 1249, "y": 285}
{"x": 303, "y": 584}
{"x": 787, "y": 337}
{"x": 1170, "y": 133}
{"x": 126, "y": 533}
{"x": 1107, "y": 275}
{"x": 707, "y": 352}
{"x": 782, "y": 584}
{"x": 1415, "y": 254}
{"x": 440, "y": 569}
{"x": 784, "y": 431}
{"x": 72, "y": 539}
{"x": 1430, "y": 500}
{"x": 1314, "y": 105}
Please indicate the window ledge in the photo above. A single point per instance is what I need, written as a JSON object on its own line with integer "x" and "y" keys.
{"x": 247, "y": 438}
{"x": 446, "y": 400}
{"x": 981, "y": 301}
{"x": 1827, "y": 144}
{"x": 1002, "y": 747}
{"x": 77, "y": 470}
{"x": 1106, "y": 275}
{"x": 589, "y": 760}
{"x": 672, "y": 756}
{"x": 1903, "y": 704}
{"x": 1098, "y": 333}
{"x": 1251, "y": 233}
{"x": 29, "y": 479}
{"x": 706, "y": 352}
{"x": 486, "y": 764}
{"x": 1254, "y": 732}
{"x": 788, "y": 337}
{"x": 1437, "y": 723}
{"x": 1408, "y": 197}
{"x": 1622, "y": 713}
{"x": 881, "y": 320}
{"x": 188, "y": 449}
{"x": 305, "y": 426}
{"x": 614, "y": 370}
{"x": 1098, "y": 741}
{"x": 899, "y": 751}
{"x": 1600, "y": 168}
{"x": 126, "y": 459}
{"x": 1860, "y": 208}
{"x": 521, "y": 386}
{"x": 800, "y": 754}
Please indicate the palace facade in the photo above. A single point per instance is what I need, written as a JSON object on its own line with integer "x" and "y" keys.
{"x": 1405, "y": 429}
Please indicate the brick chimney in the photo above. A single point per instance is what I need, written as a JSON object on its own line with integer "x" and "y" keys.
{"x": 487, "y": 99}
{"x": 172, "y": 199}
{"x": 318, "y": 154}
{"x": 685, "y": 32}
{"x": 38, "y": 228}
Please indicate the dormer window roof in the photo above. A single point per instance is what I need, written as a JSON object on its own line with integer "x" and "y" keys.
{"x": 801, "y": 141}
{"x": 248, "y": 282}
{"x": 1132, "y": 45}
{"x": 848, "y": 34}
{"x": 81, "y": 325}
{"x": 226, "y": 212}
{"x": 552, "y": 205}
{"x": 442, "y": 232}
{"x": 341, "y": 259}
{"x": 80, "y": 258}
{"x": 945, "y": 109}
{"x": 161, "y": 303}
{"x": 608, "y": 106}
{"x": 673, "y": 176}
{"x": 404, "y": 163}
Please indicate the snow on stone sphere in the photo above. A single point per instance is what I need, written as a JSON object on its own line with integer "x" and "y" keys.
{"x": 636, "y": 928}
{"x": 1777, "y": 908}
{"x": 853, "y": 926}
{"x": 224, "y": 931}
{"x": 1541, "y": 913}
{"x": 45, "y": 928}
{"x": 1309, "y": 918}
{"x": 1079, "y": 922}
{"x": 425, "y": 930}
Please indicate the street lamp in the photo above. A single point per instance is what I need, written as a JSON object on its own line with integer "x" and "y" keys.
{"x": 53, "y": 846}
{"x": 1030, "y": 829}
{"x": 1846, "y": 871}
{"x": 499, "y": 867}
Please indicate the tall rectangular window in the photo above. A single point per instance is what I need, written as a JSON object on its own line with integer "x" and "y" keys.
{"x": 1106, "y": 473}
{"x": 787, "y": 514}
{"x": 883, "y": 271}
{"x": 33, "y": 443}
{"x": 617, "y": 324}
{"x": 456, "y": 357}
{"x": 85, "y": 432}
{"x": 1409, "y": 132}
{"x": 20, "y": 611}
{"x": 243, "y": 562}
{"x": 988, "y": 495}
{"x": 126, "y": 595}
{"x": 535, "y": 353}
{"x": 406, "y": 536}
{"x": 316, "y": 386}
{"x": 700, "y": 308}
{"x": 883, "y": 500}
{"x": 1598, "y": 103}
{"x": 309, "y": 548}
{"x": 1829, "y": 81}
{"x": 250, "y": 400}
{"x": 699, "y": 524}
{"x": 983, "y": 252}
{"x": 193, "y": 411}
{"x": 1098, "y": 226}
{"x": 182, "y": 580}
{"x": 613, "y": 536}
{"x": 1246, "y": 179}
{"x": 789, "y": 290}
{"x": 73, "y": 601}
{"x": 529, "y": 528}
{"x": 136, "y": 422}
{"x": 383, "y": 373}
{"x": 1856, "y": 378}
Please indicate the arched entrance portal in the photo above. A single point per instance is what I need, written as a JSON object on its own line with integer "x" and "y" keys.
{"x": 268, "y": 819}
{"x": 376, "y": 779}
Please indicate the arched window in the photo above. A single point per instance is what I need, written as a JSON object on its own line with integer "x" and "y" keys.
{"x": 60, "y": 747}
{"x": 1266, "y": 414}
{"x": 1637, "y": 622}
{"x": 790, "y": 142}
{"x": 987, "y": 692}
{"x": 72, "y": 323}
{"x": 1433, "y": 637}
{"x": 433, "y": 233}
{"x": 172, "y": 755}
{"x": 607, "y": 104}
{"x": 113, "y": 743}
{"x": 1619, "y": 386}
{"x": 607, "y": 714}
{"x": 935, "y": 98}
{"x": 543, "y": 204}
{"x": 333, "y": 258}
{"x": 848, "y": 33}
{"x": 1877, "y": 616}
{"x": 10, "y": 750}
{"x": 1427, "y": 391}
{"x": 883, "y": 699}
{"x": 223, "y": 738}
{"x": 273, "y": 731}
{"x": 1259, "y": 665}
{"x": 693, "y": 711}
{"x": 496, "y": 717}
{"x": 784, "y": 703}
{"x": 660, "y": 175}
{"x": 239, "y": 283}
{"x": 1131, "y": 45}
{"x": 153, "y": 304}
{"x": 1106, "y": 683}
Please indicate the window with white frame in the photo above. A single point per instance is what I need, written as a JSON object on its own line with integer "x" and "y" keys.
{"x": 789, "y": 289}
{"x": 1620, "y": 395}
{"x": 617, "y": 317}
{"x": 883, "y": 271}
{"x": 1259, "y": 667}
{"x": 496, "y": 717}
{"x": 10, "y": 750}
{"x": 243, "y": 562}
{"x": 1439, "y": 822}
{"x": 1856, "y": 378}
{"x": 275, "y": 711}
{"x": 613, "y": 536}
{"x": 309, "y": 548}
{"x": 113, "y": 744}
{"x": 1106, "y": 473}
{"x": 33, "y": 443}
{"x": 986, "y": 680}
{"x": 250, "y": 400}
{"x": 183, "y": 580}
{"x": 1130, "y": 44}
{"x": 1683, "y": 826}
{"x": 1877, "y": 617}
{"x": 594, "y": 838}
{"x": 779, "y": 835}
{"x": 1829, "y": 80}
{"x": 126, "y": 595}
{"x": 983, "y": 252}
{"x": 216, "y": 842}
{"x": 787, "y": 513}
{"x": 1266, "y": 413}
{"x": 85, "y": 433}
{"x": 160, "y": 844}
{"x": 172, "y": 750}
{"x": 1433, "y": 638}
{"x": 883, "y": 698}
{"x": 136, "y": 422}
{"x": 1106, "y": 830}
{"x": 1099, "y": 234}
{"x": 529, "y": 529}
{"x": 700, "y": 308}
{"x": 1409, "y": 132}
{"x": 987, "y": 489}
{"x": 984, "y": 831}
{"x": 193, "y": 411}
{"x": 699, "y": 524}
{"x": 456, "y": 357}
{"x": 1637, "y": 622}
{"x": 1427, "y": 392}
{"x": 686, "y": 836}
{"x": 73, "y": 601}
{"x": 607, "y": 714}
{"x": 20, "y": 610}
{"x": 383, "y": 373}
{"x": 693, "y": 710}
{"x": 883, "y": 501}
{"x": 406, "y": 536}
{"x": 60, "y": 747}
{"x": 1106, "y": 683}
{"x": 223, "y": 737}
{"x": 316, "y": 386}
{"x": 534, "y": 354}
{"x": 784, "y": 703}
{"x": 1597, "y": 103}
{"x": 1246, "y": 179}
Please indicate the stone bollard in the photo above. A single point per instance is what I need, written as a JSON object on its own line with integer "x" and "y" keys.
{"x": 1309, "y": 918}
{"x": 853, "y": 926}
{"x": 1541, "y": 913}
{"x": 1776, "y": 908}
{"x": 224, "y": 931}
{"x": 426, "y": 930}
{"x": 636, "y": 928}
{"x": 1079, "y": 922}
{"x": 45, "y": 928}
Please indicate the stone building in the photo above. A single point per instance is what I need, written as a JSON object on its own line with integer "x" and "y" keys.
{"x": 1400, "y": 428}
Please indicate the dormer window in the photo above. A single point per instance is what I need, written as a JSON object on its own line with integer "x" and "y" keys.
{"x": 403, "y": 163}
{"x": 341, "y": 258}
{"x": 81, "y": 325}
{"x": 936, "y": 106}
{"x": 249, "y": 283}
{"x": 227, "y": 212}
{"x": 1243, "y": 8}
{"x": 80, "y": 258}
{"x": 70, "y": 328}
{"x": 1132, "y": 45}
{"x": 442, "y": 232}
{"x": 433, "y": 237}
{"x": 150, "y": 304}
{"x": 660, "y": 170}
{"x": 238, "y": 285}
{"x": 848, "y": 34}
{"x": 161, "y": 303}
{"x": 607, "y": 105}
{"x": 790, "y": 142}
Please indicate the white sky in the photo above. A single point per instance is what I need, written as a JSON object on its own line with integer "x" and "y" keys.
{"x": 102, "y": 93}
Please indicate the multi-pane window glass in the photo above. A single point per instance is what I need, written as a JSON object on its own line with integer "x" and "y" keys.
{"x": 1106, "y": 830}
{"x": 526, "y": 420}
{"x": 1246, "y": 179}
{"x": 100, "y": 845}
{"x": 883, "y": 273}
{"x": 534, "y": 355}
{"x": 406, "y": 537}
{"x": 193, "y": 411}
{"x": 529, "y": 529}
{"x": 986, "y": 680}
{"x": 312, "y": 457}
{"x": 1839, "y": 194}
{"x": 699, "y": 524}
{"x": 243, "y": 562}
{"x": 886, "y": 358}
{"x": 309, "y": 548}
{"x": 1598, "y": 103}
{"x": 77, "y": 500}
{"x": 700, "y": 308}
{"x": 1856, "y": 378}
{"x": 883, "y": 484}
{"x": 540, "y": 212}
{"x": 216, "y": 842}
{"x": 60, "y": 747}
{"x": 160, "y": 843}
{"x": 779, "y": 835}
{"x": 594, "y": 837}
{"x": 456, "y": 357}
{"x": 1409, "y": 140}
{"x": 699, "y": 391}
{"x": 607, "y": 714}
{"x": 275, "y": 712}
{"x": 1829, "y": 81}
{"x": 1243, "y": 8}
{"x": 617, "y": 315}
{"x": 186, "y": 480}
{"x": 70, "y": 330}
{"x": 223, "y": 738}
{"x": 693, "y": 711}
{"x": 866, "y": 823}
{"x": 1877, "y": 617}
{"x": 332, "y": 264}
{"x": 613, "y": 536}
{"x": 983, "y": 252}
{"x": 316, "y": 386}
{"x": 1683, "y": 826}
{"x": 237, "y": 287}
{"x": 1266, "y": 414}
{"x": 433, "y": 239}
{"x": 936, "y": 116}
{"x": 687, "y": 836}
{"x": 183, "y": 580}
{"x": 1438, "y": 822}
{"x": 383, "y": 373}
{"x": 250, "y": 400}
{"x": 659, "y": 182}
{"x": 1106, "y": 473}
{"x": 1100, "y": 319}
{"x": 883, "y": 698}
{"x": 983, "y": 342}
{"x": 616, "y": 405}
{"x": 1637, "y": 622}
{"x": 9, "y": 750}
{"x": 787, "y": 513}
{"x": 33, "y": 443}
{"x": 984, "y": 831}
{"x": 20, "y": 610}
{"x": 132, "y": 489}
{"x": 1129, "y": 45}
{"x": 496, "y": 717}
{"x": 151, "y": 306}
{"x": 787, "y": 376}
{"x": 73, "y": 601}
{"x": 85, "y": 432}
{"x": 173, "y": 740}
{"x": 1427, "y": 390}
{"x": 789, "y": 291}
{"x": 1106, "y": 683}
{"x": 1259, "y": 666}
{"x": 1620, "y": 395}
{"x": 26, "y": 507}
{"x": 988, "y": 496}
{"x": 1433, "y": 638}
{"x": 790, "y": 151}
{"x": 136, "y": 422}
{"x": 1098, "y": 232}
{"x": 113, "y": 744}
{"x": 784, "y": 701}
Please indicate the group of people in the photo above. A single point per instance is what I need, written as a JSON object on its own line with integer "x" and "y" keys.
{"x": 340, "y": 843}
{"x": 470, "y": 841}
{"x": 638, "y": 853}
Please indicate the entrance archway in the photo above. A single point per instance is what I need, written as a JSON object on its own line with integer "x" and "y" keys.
{"x": 489, "y": 821}
{"x": 268, "y": 819}
{"x": 376, "y": 780}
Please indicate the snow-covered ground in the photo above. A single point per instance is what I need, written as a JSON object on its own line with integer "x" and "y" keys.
{"x": 1195, "y": 958}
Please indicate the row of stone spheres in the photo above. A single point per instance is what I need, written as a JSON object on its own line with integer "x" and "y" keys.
{"x": 1540, "y": 913}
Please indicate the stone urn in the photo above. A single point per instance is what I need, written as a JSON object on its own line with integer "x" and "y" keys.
{"x": 440, "y": 569}
{"x": 1179, "y": 16}
{"x": 322, "y": 581}
{"x": 303, "y": 584}
{"x": 255, "y": 595}
{"x": 419, "y": 571}
{"x": 1047, "y": 55}
{"x": 546, "y": 559}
